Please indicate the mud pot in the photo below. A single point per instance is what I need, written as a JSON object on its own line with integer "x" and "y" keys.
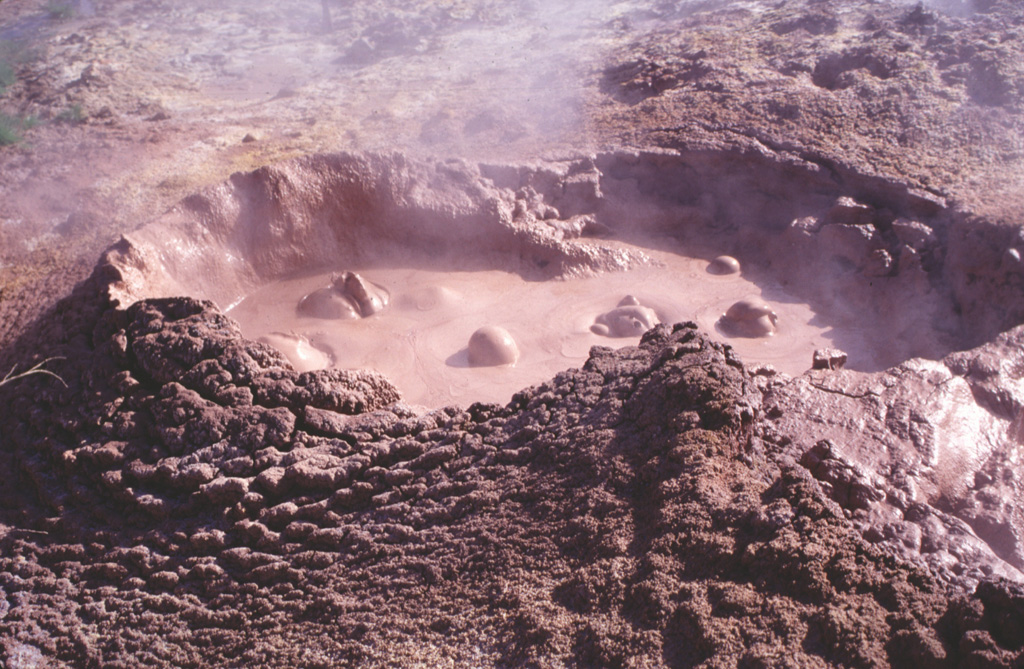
{"x": 507, "y": 415}
{"x": 421, "y": 341}
{"x": 549, "y": 252}
{"x": 708, "y": 351}
{"x": 399, "y": 266}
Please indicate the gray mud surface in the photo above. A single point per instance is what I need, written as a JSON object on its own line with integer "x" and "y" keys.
{"x": 182, "y": 497}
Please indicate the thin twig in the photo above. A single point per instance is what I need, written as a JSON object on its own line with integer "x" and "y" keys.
{"x": 35, "y": 369}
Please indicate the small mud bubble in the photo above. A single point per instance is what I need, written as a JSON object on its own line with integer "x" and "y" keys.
{"x": 629, "y": 319}
{"x": 349, "y": 296}
{"x": 724, "y": 265}
{"x": 751, "y": 317}
{"x": 428, "y": 298}
{"x": 491, "y": 346}
{"x": 326, "y": 303}
{"x": 298, "y": 350}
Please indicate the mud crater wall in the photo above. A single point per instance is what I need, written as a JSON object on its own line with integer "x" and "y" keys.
{"x": 921, "y": 277}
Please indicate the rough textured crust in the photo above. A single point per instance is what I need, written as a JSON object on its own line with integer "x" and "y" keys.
{"x": 189, "y": 500}
{"x": 207, "y": 496}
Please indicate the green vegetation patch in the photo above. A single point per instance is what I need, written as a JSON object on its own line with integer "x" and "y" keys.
{"x": 12, "y": 54}
{"x": 10, "y": 377}
{"x": 9, "y": 131}
{"x": 12, "y": 127}
{"x": 6, "y": 76}
{"x": 59, "y": 10}
{"x": 73, "y": 114}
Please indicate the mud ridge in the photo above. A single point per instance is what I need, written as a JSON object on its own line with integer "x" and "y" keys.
{"x": 663, "y": 504}
{"x": 244, "y": 513}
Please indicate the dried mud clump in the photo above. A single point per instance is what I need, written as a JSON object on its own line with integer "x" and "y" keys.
{"x": 190, "y": 500}
{"x": 873, "y": 87}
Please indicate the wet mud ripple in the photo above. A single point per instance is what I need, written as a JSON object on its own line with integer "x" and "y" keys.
{"x": 207, "y": 505}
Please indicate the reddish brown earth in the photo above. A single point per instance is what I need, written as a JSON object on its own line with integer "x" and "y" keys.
{"x": 210, "y": 506}
{"x": 180, "y": 496}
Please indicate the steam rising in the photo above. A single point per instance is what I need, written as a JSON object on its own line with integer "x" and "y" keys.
{"x": 475, "y": 80}
{"x": 164, "y": 98}
{"x": 139, "y": 104}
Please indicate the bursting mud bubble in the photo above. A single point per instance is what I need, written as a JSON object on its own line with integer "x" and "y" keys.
{"x": 238, "y": 459}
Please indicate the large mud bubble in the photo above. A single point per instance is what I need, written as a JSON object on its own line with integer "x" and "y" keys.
{"x": 662, "y": 502}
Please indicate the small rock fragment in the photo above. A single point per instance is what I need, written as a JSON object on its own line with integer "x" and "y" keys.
{"x": 879, "y": 263}
{"x": 1012, "y": 259}
{"x": 225, "y": 491}
{"x": 847, "y": 211}
{"x": 914, "y": 234}
{"x": 807, "y": 225}
{"x": 828, "y": 358}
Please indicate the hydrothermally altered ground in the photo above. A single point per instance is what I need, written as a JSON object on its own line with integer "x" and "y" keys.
{"x": 209, "y": 505}
{"x": 661, "y": 505}
{"x": 176, "y": 494}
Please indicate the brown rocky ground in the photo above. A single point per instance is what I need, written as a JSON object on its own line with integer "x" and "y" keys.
{"x": 903, "y": 91}
{"x": 189, "y": 500}
{"x": 210, "y": 506}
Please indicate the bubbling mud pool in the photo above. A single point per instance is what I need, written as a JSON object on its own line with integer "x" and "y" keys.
{"x": 420, "y": 339}
{"x": 559, "y": 255}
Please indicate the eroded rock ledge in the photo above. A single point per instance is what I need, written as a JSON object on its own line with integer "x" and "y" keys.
{"x": 188, "y": 486}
